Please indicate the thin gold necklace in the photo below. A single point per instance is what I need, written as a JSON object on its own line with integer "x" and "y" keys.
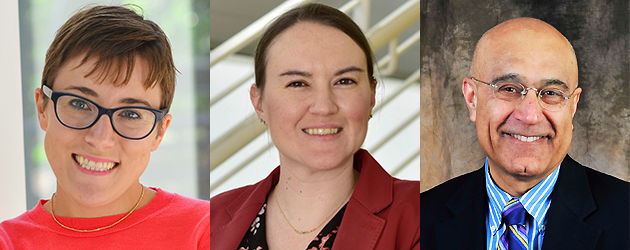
{"x": 320, "y": 224}
{"x": 52, "y": 211}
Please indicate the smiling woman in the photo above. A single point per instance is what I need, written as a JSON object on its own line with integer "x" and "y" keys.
{"x": 315, "y": 90}
{"x": 106, "y": 91}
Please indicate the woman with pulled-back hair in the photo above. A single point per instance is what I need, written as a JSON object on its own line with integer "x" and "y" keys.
{"x": 315, "y": 90}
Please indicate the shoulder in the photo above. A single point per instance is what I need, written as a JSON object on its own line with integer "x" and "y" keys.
{"x": 183, "y": 212}
{"x": 225, "y": 198}
{"x": 223, "y": 206}
{"x": 403, "y": 215}
{"x": 600, "y": 200}
{"x": 16, "y": 230}
{"x": 407, "y": 192}
{"x": 19, "y": 221}
{"x": 220, "y": 202}
{"x": 190, "y": 216}
{"x": 243, "y": 197}
{"x": 606, "y": 184}
{"x": 442, "y": 193}
{"x": 183, "y": 204}
{"x": 602, "y": 186}
{"x": 609, "y": 192}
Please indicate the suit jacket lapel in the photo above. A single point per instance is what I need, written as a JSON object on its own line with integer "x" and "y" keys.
{"x": 244, "y": 210}
{"x": 360, "y": 228}
{"x": 572, "y": 201}
{"x": 467, "y": 229}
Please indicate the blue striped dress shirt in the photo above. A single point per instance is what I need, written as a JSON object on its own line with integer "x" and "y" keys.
{"x": 536, "y": 202}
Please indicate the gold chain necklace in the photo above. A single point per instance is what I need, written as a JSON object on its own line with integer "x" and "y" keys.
{"x": 320, "y": 224}
{"x": 52, "y": 211}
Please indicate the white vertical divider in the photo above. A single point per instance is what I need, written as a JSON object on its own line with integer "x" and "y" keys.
{"x": 12, "y": 179}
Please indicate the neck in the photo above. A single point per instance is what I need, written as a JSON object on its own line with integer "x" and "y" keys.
{"x": 516, "y": 186}
{"x": 303, "y": 183}
{"x": 323, "y": 191}
{"x": 92, "y": 205}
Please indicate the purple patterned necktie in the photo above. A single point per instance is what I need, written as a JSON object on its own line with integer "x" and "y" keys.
{"x": 515, "y": 236}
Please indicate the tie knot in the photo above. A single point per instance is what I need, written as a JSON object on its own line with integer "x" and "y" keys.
{"x": 514, "y": 213}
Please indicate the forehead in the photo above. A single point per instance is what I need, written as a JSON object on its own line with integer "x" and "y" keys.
{"x": 109, "y": 72}
{"x": 532, "y": 54}
{"x": 106, "y": 87}
{"x": 307, "y": 45}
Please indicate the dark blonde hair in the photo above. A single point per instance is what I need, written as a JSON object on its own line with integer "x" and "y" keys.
{"x": 116, "y": 35}
{"x": 316, "y": 13}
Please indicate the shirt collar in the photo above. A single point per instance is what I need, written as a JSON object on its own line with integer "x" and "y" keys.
{"x": 535, "y": 201}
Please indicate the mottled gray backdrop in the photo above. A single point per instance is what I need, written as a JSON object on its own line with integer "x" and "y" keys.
{"x": 599, "y": 32}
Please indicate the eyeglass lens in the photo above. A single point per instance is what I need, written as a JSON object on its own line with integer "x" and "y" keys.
{"x": 80, "y": 113}
{"x": 551, "y": 98}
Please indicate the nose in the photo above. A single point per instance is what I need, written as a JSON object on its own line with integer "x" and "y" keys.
{"x": 528, "y": 110}
{"x": 324, "y": 103}
{"x": 101, "y": 134}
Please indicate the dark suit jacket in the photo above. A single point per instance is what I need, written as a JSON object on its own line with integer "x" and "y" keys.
{"x": 383, "y": 212}
{"x": 589, "y": 210}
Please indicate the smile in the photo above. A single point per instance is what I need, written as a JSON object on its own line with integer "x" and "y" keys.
{"x": 525, "y": 138}
{"x": 321, "y": 131}
{"x": 92, "y": 165}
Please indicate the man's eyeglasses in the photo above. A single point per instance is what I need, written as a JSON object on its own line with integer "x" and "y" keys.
{"x": 77, "y": 112}
{"x": 552, "y": 99}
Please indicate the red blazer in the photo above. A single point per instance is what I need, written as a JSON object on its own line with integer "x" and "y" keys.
{"x": 383, "y": 212}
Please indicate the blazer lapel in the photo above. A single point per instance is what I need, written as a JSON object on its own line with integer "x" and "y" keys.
{"x": 360, "y": 227}
{"x": 572, "y": 201}
{"x": 362, "y": 230}
{"x": 244, "y": 210}
{"x": 233, "y": 232}
{"x": 467, "y": 229}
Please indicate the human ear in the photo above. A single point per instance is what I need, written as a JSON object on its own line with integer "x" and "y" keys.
{"x": 469, "y": 89}
{"x": 373, "y": 94}
{"x": 255, "y": 95}
{"x": 164, "y": 123}
{"x": 42, "y": 117}
{"x": 576, "y": 98}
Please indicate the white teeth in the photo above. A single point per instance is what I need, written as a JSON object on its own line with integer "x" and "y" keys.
{"x": 94, "y": 166}
{"x": 321, "y": 131}
{"x": 526, "y": 138}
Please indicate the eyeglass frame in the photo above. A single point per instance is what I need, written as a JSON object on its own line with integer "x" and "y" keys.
{"x": 526, "y": 90}
{"x": 55, "y": 95}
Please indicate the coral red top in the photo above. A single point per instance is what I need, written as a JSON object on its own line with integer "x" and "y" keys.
{"x": 169, "y": 221}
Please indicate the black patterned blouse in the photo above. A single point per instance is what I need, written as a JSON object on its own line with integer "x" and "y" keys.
{"x": 255, "y": 237}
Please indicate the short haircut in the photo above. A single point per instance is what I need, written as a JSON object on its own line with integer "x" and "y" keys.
{"x": 115, "y": 35}
{"x": 316, "y": 13}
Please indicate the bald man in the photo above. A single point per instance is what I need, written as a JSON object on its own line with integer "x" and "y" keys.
{"x": 522, "y": 94}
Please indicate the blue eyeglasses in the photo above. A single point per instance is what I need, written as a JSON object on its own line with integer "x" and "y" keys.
{"x": 77, "y": 112}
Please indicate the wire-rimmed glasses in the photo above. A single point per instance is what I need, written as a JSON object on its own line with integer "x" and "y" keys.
{"x": 77, "y": 112}
{"x": 550, "y": 98}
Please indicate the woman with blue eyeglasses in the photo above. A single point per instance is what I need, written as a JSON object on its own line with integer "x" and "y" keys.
{"x": 106, "y": 90}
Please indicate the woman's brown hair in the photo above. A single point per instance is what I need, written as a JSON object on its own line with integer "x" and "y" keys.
{"x": 115, "y": 35}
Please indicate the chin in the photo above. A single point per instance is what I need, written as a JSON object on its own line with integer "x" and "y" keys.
{"x": 529, "y": 169}
{"x": 327, "y": 162}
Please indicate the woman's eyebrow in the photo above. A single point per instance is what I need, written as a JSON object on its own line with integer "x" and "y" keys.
{"x": 84, "y": 90}
{"x": 135, "y": 101}
{"x": 348, "y": 69}
{"x": 295, "y": 72}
